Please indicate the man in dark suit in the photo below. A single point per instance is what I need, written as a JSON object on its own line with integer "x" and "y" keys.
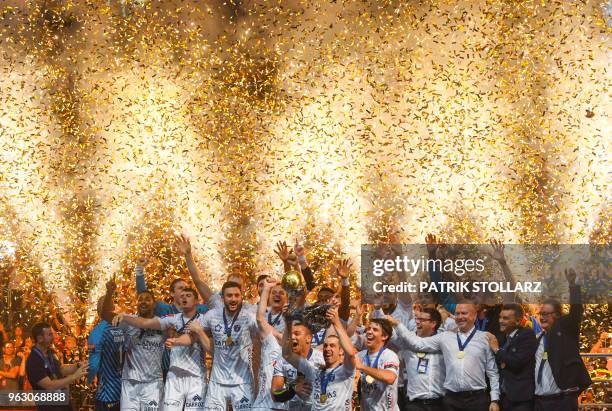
{"x": 515, "y": 359}
{"x": 560, "y": 373}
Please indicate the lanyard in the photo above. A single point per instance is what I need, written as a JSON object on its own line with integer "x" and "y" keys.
{"x": 326, "y": 379}
{"x": 367, "y": 358}
{"x": 228, "y": 330}
{"x": 182, "y": 329}
{"x": 49, "y": 363}
{"x": 276, "y": 321}
{"x": 482, "y": 324}
{"x": 317, "y": 338}
{"x": 462, "y": 346}
{"x": 309, "y": 354}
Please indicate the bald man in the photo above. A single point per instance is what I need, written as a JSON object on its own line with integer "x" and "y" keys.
{"x": 468, "y": 360}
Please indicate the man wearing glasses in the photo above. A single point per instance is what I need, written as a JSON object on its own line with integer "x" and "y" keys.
{"x": 559, "y": 371}
{"x": 424, "y": 370}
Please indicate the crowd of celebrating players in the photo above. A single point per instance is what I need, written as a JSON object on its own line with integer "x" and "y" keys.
{"x": 212, "y": 350}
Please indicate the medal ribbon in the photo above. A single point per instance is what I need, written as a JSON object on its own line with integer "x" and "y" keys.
{"x": 276, "y": 321}
{"x": 182, "y": 329}
{"x": 228, "y": 330}
{"x": 462, "y": 346}
{"x": 366, "y": 359}
{"x": 326, "y": 378}
{"x": 49, "y": 363}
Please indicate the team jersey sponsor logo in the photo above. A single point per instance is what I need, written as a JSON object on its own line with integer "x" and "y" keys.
{"x": 196, "y": 402}
{"x": 218, "y": 328}
{"x": 244, "y": 404}
{"x": 150, "y": 406}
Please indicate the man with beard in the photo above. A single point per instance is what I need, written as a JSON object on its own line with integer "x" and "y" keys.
{"x": 379, "y": 368}
{"x": 468, "y": 360}
{"x": 232, "y": 329}
{"x": 185, "y": 384}
{"x": 332, "y": 386}
{"x": 270, "y": 347}
{"x": 516, "y": 360}
{"x": 142, "y": 378}
{"x": 44, "y": 370}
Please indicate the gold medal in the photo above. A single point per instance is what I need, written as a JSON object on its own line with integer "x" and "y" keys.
{"x": 545, "y": 356}
{"x": 369, "y": 379}
{"x": 229, "y": 340}
{"x": 460, "y": 354}
{"x": 503, "y": 365}
{"x": 323, "y": 398}
{"x": 421, "y": 354}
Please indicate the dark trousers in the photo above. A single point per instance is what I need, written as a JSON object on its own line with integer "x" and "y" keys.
{"x": 107, "y": 406}
{"x": 507, "y": 405}
{"x": 427, "y": 405}
{"x": 568, "y": 402}
{"x": 458, "y": 401}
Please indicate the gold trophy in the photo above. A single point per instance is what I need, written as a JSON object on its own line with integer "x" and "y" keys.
{"x": 312, "y": 316}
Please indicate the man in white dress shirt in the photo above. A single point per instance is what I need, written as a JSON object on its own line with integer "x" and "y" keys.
{"x": 468, "y": 360}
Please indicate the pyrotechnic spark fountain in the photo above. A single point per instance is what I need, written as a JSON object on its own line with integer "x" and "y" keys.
{"x": 339, "y": 123}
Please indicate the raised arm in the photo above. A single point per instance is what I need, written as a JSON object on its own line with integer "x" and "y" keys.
{"x": 498, "y": 255}
{"x": 344, "y": 270}
{"x": 307, "y": 274}
{"x": 345, "y": 340}
{"x": 138, "y": 322}
{"x": 435, "y": 250}
{"x": 408, "y": 339}
{"x": 107, "y": 305}
{"x": 183, "y": 244}
{"x": 141, "y": 283}
{"x": 573, "y": 320}
{"x": 262, "y": 321}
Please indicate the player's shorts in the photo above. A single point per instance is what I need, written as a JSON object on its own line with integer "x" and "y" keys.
{"x": 240, "y": 396}
{"x": 141, "y": 396}
{"x": 184, "y": 389}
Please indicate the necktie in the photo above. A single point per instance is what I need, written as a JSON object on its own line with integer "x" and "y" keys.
{"x": 543, "y": 361}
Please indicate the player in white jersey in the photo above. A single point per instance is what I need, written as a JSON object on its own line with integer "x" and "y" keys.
{"x": 270, "y": 346}
{"x": 379, "y": 367}
{"x": 333, "y": 385}
{"x": 142, "y": 377}
{"x": 289, "y": 386}
{"x": 211, "y": 298}
{"x": 232, "y": 329}
{"x": 185, "y": 382}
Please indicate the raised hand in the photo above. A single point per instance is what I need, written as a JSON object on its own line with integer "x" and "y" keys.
{"x": 432, "y": 244}
{"x": 392, "y": 320}
{"x": 498, "y": 251}
{"x": 183, "y": 244}
{"x": 270, "y": 282}
{"x": 111, "y": 285}
{"x": 332, "y": 315}
{"x": 282, "y": 251}
{"x": 570, "y": 276}
{"x": 344, "y": 268}
{"x": 298, "y": 249}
